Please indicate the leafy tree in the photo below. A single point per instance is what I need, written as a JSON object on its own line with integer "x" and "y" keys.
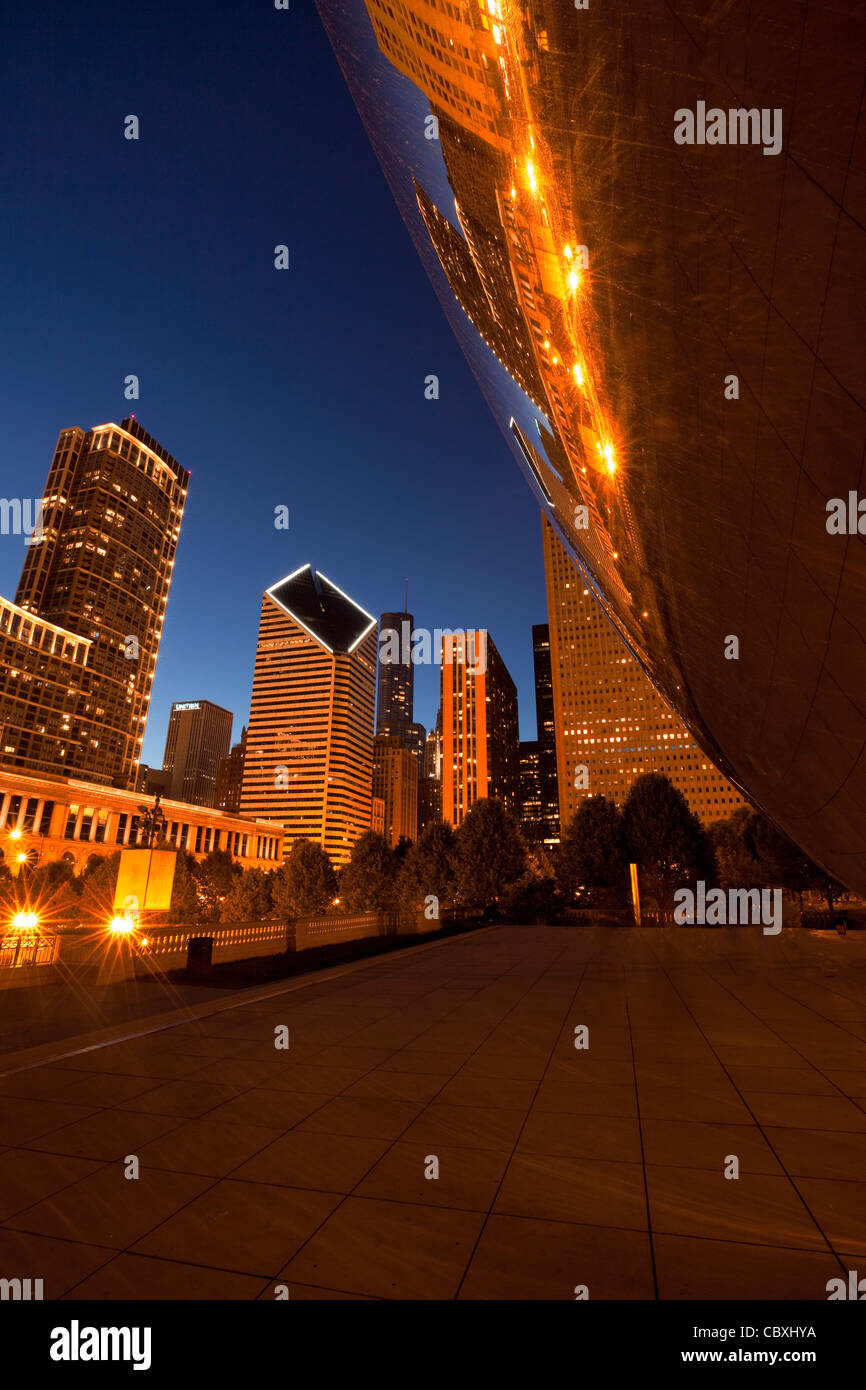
{"x": 491, "y": 854}
{"x": 51, "y": 889}
{"x": 249, "y": 899}
{"x": 216, "y": 875}
{"x": 736, "y": 859}
{"x": 305, "y": 883}
{"x": 369, "y": 880}
{"x": 665, "y": 839}
{"x": 592, "y": 852}
{"x": 98, "y": 882}
{"x": 751, "y": 850}
{"x": 783, "y": 863}
{"x": 531, "y": 898}
{"x": 185, "y": 907}
{"x": 429, "y": 868}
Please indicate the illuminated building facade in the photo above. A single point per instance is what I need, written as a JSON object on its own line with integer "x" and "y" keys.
{"x": 694, "y": 313}
{"x": 395, "y": 683}
{"x": 230, "y": 776}
{"x": 98, "y": 579}
{"x": 395, "y": 782}
{"x": 530, "y": 792}
{"x": 480, "y": 735}
{"x": 43, "y": 670}
{"x": 548, "y": 788}
{"x": 199, "y": 737}
{"x": 309, "y": 751}
{"x": 47, "y": 818}
{"x": 430, "y": 781}
{"x": 609, "y": 720}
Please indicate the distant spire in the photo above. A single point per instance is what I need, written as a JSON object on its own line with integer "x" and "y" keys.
{"x": 406, "y": 598}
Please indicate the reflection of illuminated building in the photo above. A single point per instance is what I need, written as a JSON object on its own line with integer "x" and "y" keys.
{"x": 609, "y": 720}
{"x": 452, "y": 52}
{"x": 479, "y": 726}
{"x": 309, "y": 752}
{"x": 503, "y": 331}
{"x": 95, "y": 588}
{"x": 710, "y": 267}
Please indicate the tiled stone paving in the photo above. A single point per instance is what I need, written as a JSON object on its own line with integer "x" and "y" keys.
{"x": 558, "y": 1167}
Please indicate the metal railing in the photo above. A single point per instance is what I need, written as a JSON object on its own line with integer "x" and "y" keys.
{"x": 24, "y": 948}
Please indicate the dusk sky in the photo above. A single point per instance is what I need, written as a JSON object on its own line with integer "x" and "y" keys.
{"x": 302, "y": 388}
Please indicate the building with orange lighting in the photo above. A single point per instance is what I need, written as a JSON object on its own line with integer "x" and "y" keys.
{"x": 611, "y": 724}
{"x": 79, "y": 645}
{"x": 47, "y": 818}
{"x": 395, "y": 780}
{"x": 480, "y": 734}
{"x": 309, "y": 749}
{"x": 655, "y": 292}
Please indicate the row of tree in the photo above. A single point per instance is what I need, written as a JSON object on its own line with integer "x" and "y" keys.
{"x": 482, "y": 867}
{"x": 656, "y": 830}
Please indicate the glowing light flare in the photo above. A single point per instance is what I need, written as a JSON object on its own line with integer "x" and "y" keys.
{"x": 530, "y": 175}
{"x": 573, "y": 280}
{"x": 578, "y": 373}
{"x": 121, "y": 926}
{"x": 15, "y": 834}
{"x": 25, "y": 921}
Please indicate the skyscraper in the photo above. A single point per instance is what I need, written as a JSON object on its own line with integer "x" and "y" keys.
{"x": 395, "y": 781}
{"x": 611, "y": 723}
{"x": 548, "y": 790}
{"x": 395, "y": 674}
{"x": 199, "y": 737}
{"x": 530, "y": 792}
{"x": 430, "y": 783}
{"x": 479, "y": 726}
{"x": 309, "y": 754}
{"x": 83, "y": 635}
{"x": 230, "y": 776}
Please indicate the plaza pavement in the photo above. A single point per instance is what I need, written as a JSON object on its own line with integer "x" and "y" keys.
{"x": 558, "y": 1167}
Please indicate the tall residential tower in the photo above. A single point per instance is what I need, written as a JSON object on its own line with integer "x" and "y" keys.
{"x": 79, "y": 645}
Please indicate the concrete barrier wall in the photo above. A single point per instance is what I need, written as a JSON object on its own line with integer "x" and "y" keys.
{"x": 157, "y": 950}
{"x": 327, "y": 931}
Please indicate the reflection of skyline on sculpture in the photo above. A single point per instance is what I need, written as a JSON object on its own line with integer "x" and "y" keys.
{"x": 603, "y": 267}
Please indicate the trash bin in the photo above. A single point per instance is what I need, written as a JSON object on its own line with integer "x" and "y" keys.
{"x": 199, "y": 953}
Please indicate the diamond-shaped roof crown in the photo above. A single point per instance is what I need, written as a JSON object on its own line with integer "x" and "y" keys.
{"x": 323, "y": 610}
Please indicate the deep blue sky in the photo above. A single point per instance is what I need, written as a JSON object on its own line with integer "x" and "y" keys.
{"x": 303, "y": 388}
